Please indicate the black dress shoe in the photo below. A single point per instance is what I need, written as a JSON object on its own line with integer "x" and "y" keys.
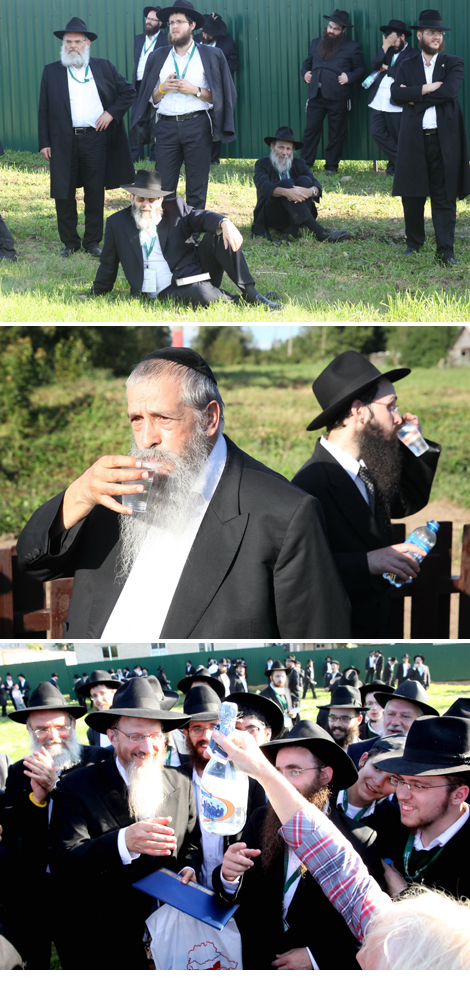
{"x": 251, "y": 295}
{"x": 331, "y": 172}
{"x": 449, "y": 261}
{"x": 64, "y": 254}
{"x": 336, "y": 236}
{"x": 95, "y": 250}
{"x": 411, "y": 251}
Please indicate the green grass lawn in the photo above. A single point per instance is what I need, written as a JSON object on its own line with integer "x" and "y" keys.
{"x": 366, "y": 279}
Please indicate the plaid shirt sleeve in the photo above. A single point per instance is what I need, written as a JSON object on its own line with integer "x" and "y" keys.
{"x": 336, "y": 867}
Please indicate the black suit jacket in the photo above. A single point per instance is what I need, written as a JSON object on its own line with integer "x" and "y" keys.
{"x": 353, "y": 531}
{"x": 226, "y": 45}
{"x": 55, "y": 123}
{"x": 260, "y": 565}
{"x": 348, "y": 59}
{"x": 161, "y": 42}
{"x": 266, "y": 180}
{"x": 175, "y": 233}
{"x": 224, "y": 95}
{"x": 385, "y": 58}
{"x": 400, "y": 675}
{"x": 411, "y": 174}
{"x": 271, "y": 695}
{"x": 451, "y": 870}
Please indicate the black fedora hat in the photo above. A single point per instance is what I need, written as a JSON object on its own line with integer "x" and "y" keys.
{"x": 377, "y": 686}
{"x": 350, "y": 677}
{"x": 348, "y": 375}
{"x": 147, "y": 183}
{"x": 270, "y": 711}
{"x": 429, "y": 19}
{"x": 435, "y": 746}
{"x": 182, "y": 7}
{"x": 166, "y": 698}
{"x": 411, "y": 691}
{"x": 388, "y": 745}
{"x": 183, "y": 356}
{"x": 339, "y": 17}
{"x": 214, "y": 26}
{"x": 136, "y": 698}
{"x": 76, "y": 26}
{"x": 46, "y": 696}
{"x": 98, "y": 676}
{"x": 148, "y": 9}
{"x": 345, "y": 697}
{"x": 307, "y": 734}
{"x": 186, "y": 683}
{"x": 284, "y": 133}
{"x": 202, "y": 703}
{"x": 398, "y": 26}
{"x": 459, "y": 708}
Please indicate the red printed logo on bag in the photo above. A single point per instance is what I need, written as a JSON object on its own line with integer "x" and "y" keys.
{"x": 207, "y": 956}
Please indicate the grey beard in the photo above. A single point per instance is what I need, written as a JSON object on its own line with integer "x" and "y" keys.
{"x": 65, "y": 755}
{"x": 145, "y": 791}
{"x": 281, "y": 166}
{"x": 148, "y": 222}
{"x": 171, "y": 499}
{"x": 74, "y": 59}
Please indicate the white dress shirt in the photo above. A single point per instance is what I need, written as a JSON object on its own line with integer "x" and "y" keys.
{"x": 180, "y": 103}
{"x": 382, "y": 100}
{"x": 157, "y": 273}
{"x": 85, "y": 103}
{"x": 147, "y": 47}
{"x": 349, "y": 463}
{"x": 446, "y": 835}
{"x": 429, "y": 117}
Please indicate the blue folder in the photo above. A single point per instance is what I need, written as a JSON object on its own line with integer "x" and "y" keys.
{"x": 195, "y": 900}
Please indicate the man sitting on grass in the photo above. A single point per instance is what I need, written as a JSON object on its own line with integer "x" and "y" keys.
{"x": 154, "y": 241}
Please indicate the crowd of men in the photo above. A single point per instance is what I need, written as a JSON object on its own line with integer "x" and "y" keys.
{"x": 182, "y": 99}
{"x": 390, "y": 773}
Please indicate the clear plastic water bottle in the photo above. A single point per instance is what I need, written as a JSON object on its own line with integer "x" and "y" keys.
{"x": 423, "y": 537}
{"x": 370, "y": 79}
{"x": 224, "y": 788}
{"x": 411, "y": 436}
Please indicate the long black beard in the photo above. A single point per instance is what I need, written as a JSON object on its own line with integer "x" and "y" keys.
{"x": 328, "y": 46}
{"x": 382, "y": 455}
{"x": 431, "y": 51}
{"x": 272, "y": 845}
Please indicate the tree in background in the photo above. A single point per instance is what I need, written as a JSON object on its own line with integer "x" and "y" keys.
{"x": 225, "y": 345}
{"x": 421, "y": 345}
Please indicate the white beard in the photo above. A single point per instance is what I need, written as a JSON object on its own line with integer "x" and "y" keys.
{"x": 74, "y": 59}
{"x": 281, "y": 165}
{"x": 145, "y": 791}
{"x": 149, "y": 220}
{"x": 65, "y": 755}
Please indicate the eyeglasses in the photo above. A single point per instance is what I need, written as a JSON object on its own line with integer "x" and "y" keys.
{"x": 344, "y": 721}
{"x": 413, "y": 787}
{"x": 146, "y": 199}
{"x": 75, "y": 42}
{"x": 295, "y": 773}
{"x": 137, "y": 738}
{"x": 252, "y": 729}
{"x": 198, "y": 731}
{"x": 49, "y": 732}
{"x": 434, "y": 34}
{"x": 393, "y": 408}
{"x": 171, "y": 24}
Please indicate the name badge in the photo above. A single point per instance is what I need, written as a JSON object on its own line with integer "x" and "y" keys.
{"x": 149, "y": 284}
{"x": 178, "y": 103}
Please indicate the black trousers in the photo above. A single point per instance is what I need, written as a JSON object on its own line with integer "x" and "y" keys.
{"x": 216, "y": 260}
{"x": 384, "y": 129}
{"x": 88, "y": 169}
{"x": 309, "y": 686}
{"x": 284, "y": 214}
{"x": 337, "y": 111}
{"x": 189, "y": 142}
{"x": 444, "y": 212}
{"x": 7, "y": 245}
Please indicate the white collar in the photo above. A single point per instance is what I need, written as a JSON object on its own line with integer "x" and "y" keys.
{"x": 432, "y": 62}
{"x": 344, "y": 458}
{"x": 446, "y": 835}
{"x": 121, "y": 770}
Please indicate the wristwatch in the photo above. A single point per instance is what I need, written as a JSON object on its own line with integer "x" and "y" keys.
{"x": 199, "y": 92}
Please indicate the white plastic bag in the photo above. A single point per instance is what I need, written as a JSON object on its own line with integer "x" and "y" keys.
{"x": 182, "y": 942}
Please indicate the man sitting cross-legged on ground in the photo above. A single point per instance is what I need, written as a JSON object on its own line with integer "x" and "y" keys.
{"x": 287, "y": 192}
{"x": 153, "y": 240}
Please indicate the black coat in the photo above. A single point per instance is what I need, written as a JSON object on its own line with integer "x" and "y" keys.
{"x": 385, "y": 58}
{"x": 161, "y": 42}
{"x": 348, "y": 59}
{"x": 266, "y": 180}
{"x": 122, "y": 244}
{"x": 226, "y": 45}
{"x": 259, "y": 566}
{"x": 55, "y": 124}
{"x": 224, "y": 95}
{"x": 451, "y": 870}
{"x": 270, "y": 693}
{"x": 411, "y": 174}
{"x": 94, "y": 809}
{"x": 353, "y": 531}
{"x": 400, "y": 675}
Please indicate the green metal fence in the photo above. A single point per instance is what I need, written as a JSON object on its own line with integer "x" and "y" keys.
{"x": 273, "y": 38}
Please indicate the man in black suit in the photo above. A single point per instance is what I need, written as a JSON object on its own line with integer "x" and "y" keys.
{"x": 279, "y": 692}
{"x": 420, "y": 671}
{"x": 154, "y": 241}
{"x": 24, "y": 687}
{"x": 122, "y": 820}
{"x": 190, "y": 90}
{"x": 82, "y": 104}
{"x": 238, "y": 683}
{"x": 400, "y": 710}
{"x": 403, "y": 669}
{"x": 364, "y": 475}
{"x": 214, "y": 34}
{"x": 252, "y": 550}
{"x": 331, "y": 68}
{"x": 100, "y": 687}
{"x": 287, "y": 192}
{"x": 385, "y": 116}
{"x": 54, "y": 680}
{"x": 7, "y": 245}
{"x": 432, "y": 158}
{"x": 152, "y": 38}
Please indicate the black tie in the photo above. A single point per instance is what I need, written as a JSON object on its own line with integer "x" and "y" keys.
{"x": 366, "y": 477}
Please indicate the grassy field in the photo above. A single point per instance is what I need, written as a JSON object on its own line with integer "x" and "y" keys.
{"x": 267, "y": 410}
{"x": 366, "y": 279}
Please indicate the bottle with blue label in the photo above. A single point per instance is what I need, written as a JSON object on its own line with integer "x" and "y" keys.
{"x": 424, "y": 538}
{"x": 224, "y": 788}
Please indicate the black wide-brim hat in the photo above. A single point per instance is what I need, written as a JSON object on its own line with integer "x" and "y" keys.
{"x": 98, "y": 676}
{"x": 182, "y": 7}
{"x": 186, "y": 683}
{"x": 214, "y": 26}
{"x": 270, "y": 710}
{"x": 147, "y": 184}
{"x": 202, "y": 703}
{"x": 389, "y": 745}
{"x": 183, "y": 356}
{"x": 429, "y": 19}
{"x": 136, "y": 698}
{"x": 411, "y": 691}
{"x": 459, "y": 708}
{"x": 155, "y": 8}
{"x": 350, "y": 677}
{"x": 166, "y": 698}
{"x": 76, "y": 26}
{"x": 348, "y": 375}
{"x": 306, "y": 734}
{"x": 398, "y": 26}
{"x": 339, "y": 17}
{"x": 344, "y": 697}
{"x": 435, "y": 746}
{"x": 377, "y": 686}
{"x": 46, "y": 697}
{"x": 284, "y": 133}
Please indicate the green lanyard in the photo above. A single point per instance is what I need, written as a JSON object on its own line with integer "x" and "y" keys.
{"x": 187, "y": 64}
{"x": 360, "y": 812}
{"x": 82, "y": 81}
{"x": 168, "y": 757}
{"x": 148, "y": 251}
{"x": 285, "y": 174}
{"x": 288, "y": 882}
{"x": 406, "y": 860}
{"x": 151, "y": 43}
{"x": 282, "y": 699}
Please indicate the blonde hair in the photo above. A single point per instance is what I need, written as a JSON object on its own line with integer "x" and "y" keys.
{"x": 425, "y": 930}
